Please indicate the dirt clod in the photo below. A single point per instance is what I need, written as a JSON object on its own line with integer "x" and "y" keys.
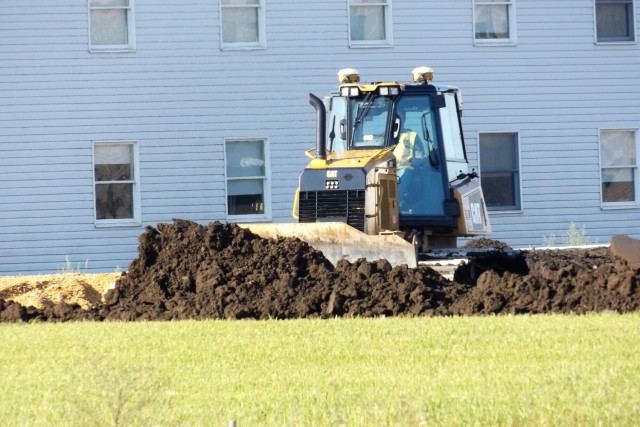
{"x": 189, "y": 271}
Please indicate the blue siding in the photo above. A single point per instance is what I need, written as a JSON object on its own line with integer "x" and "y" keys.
{"x": 178, "y": 95}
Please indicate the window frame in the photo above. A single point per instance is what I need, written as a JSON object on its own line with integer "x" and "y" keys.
{"x": 261, "y": 44}
{"x": 388, "y": 25}
{"x": 135, "y": 220}
{"x": 518, "y": 207}
{"x": 512, "y": 40}
{"x": 130, "y": 46}
{"x": 631, "y": 18}
{"x": 266, "y": 182}
{"x": 636, "y": 171}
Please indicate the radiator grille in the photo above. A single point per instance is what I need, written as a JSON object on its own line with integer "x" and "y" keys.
{"x": 346, "y": 206}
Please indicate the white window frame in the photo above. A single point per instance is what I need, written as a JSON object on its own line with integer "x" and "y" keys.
{"x": 636, "y": 171}
{"x": 266, "y": 179}
{"x": 135, "y": 220}
{"x": 262, "y": 32}
{"x": 511, "y": 13}
{"x": 130, "y": 46}
{"x": 518, "y": 186}
{"x": 613, "y": 40}
{"x": 388, "y": 24}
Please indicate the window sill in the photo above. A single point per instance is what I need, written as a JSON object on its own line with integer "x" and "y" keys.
{"x": 621, "y": 206}
{"x": 487, "y": 43}
{"x": 616, "y": 42}
{"x": 118, "y": 223}
{"x": 112, "y": 50}
{"x": 246, "y": 219}
{"x": 370, "y": 45}
{"x": 240, "y": 48}
{"x": 504, "y": 212}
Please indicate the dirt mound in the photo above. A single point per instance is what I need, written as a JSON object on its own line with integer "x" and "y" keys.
{"x": 86, "y": 290}
{"x": 189, "y": 271}
{"x": 485, "y": 243}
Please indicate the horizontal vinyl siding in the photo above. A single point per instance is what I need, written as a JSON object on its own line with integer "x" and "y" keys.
{"x": 555, "y": 88}
{"x": 178, "y": 95}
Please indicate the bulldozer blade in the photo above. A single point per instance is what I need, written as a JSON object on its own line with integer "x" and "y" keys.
{"x": 337, "y": 240}
{"x": 626, "y": 248}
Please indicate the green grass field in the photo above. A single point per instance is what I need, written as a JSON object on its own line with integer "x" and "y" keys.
{"x": 512, "y": 370}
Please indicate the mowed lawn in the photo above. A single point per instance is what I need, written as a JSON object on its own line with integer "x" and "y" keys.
{"x": 509, "y": 370}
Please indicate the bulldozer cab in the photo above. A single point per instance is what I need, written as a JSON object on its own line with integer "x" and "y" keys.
{"x": 420, "y": 123}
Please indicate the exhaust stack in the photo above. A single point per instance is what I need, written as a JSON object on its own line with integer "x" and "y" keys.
{"x": 321, "y": 125}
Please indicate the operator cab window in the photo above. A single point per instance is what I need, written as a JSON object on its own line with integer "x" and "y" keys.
{"x": 336, "y": 125}
{"x": 417, "y": 127}
{"x": 370, "y": 122}
{"x": 421, "y": 175}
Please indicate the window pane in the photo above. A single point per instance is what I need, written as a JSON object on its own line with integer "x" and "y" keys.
{"x": 114, "y": 201}
{"x": 337, "y": 113}
{"x": 245, "y": 197}
{"x": 614, "y": 20}
{"x": 109, "y": 27}
{"x": 492, "y": 21}
{"x": 371, "y": 127}
{"x": 618, "y": 185}
{"x": 113, "y": 172}
{"x": 245, "y": 158}
{"x": 113, "y": 162}
{"x": 251, "y": 204}
{"x": 240, "y": 25}
{"x": 368, "y": 23}
{"x": 618, "y": 148}
{"x": 244, "y": 186}
{"x": 500, "y": 189}
{"x": 498, "y": 152}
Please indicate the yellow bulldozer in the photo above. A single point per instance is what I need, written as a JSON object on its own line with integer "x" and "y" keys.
{"x": 388, "y": 177}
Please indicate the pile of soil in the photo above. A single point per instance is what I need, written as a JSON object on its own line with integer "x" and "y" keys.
{"x": 86, "y": 290}
{"x": 188, "y": 271}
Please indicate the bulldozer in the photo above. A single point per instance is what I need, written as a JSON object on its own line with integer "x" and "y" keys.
{"x": 388, "y": 176}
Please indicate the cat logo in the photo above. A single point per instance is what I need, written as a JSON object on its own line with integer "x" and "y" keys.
{"x": 332, "y": 174}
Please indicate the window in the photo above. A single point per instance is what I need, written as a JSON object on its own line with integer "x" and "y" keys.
{"x": 369, "y": 23}
{"x": 619, "y": 167}
{"x": 499, "y": 170}
{"x": 111, "y": 24}
{"x": 247, "y": 171}
{"x": 115, "y": 182}
{"x": 452, "y": 137}
{"x": 242, "y": 24}
{"x": 614, "y": 21}
{"x": 494, "y": 22}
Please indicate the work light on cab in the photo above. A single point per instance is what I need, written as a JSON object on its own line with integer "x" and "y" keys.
{"x": 350, "y": 91}
{"x": 388, "y": 90}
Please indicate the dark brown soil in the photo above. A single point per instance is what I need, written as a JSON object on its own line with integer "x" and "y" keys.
{"x": 221, "y": 271}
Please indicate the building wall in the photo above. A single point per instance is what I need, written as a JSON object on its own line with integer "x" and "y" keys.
{"x": 179, "y": 95}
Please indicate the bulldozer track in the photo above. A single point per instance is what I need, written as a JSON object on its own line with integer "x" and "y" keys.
{"x": 446, "y": 267}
